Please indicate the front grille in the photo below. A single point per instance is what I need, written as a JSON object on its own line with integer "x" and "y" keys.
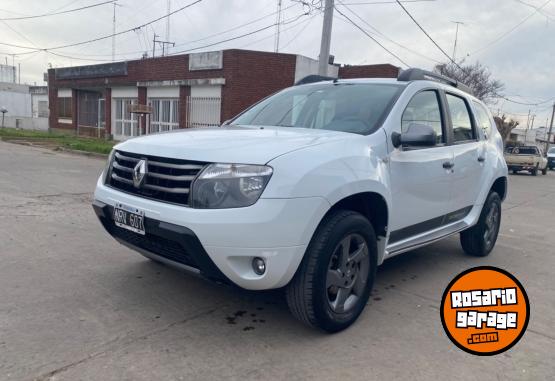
{"x": 155, "y": 244}
{"x": 167, "y": 180}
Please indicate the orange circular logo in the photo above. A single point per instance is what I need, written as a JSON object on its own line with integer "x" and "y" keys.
{"x": 485, "y": 310}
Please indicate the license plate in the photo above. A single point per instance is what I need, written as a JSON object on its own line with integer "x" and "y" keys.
{"x": 129, "y": 218}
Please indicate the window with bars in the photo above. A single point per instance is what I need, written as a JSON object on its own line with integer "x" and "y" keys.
{"x": 165, "y": 115}
{"x": 64, "y": 108}
{"x": 126, "y": 123}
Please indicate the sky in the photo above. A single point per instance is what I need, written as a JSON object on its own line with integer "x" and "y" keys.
{"x": 514, "y": 39}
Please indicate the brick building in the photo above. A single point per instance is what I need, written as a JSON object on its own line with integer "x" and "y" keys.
{"x": 181, "y": 91}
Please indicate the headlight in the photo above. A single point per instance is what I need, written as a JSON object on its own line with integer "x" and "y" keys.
{"x": 108, "y": 167}
{"x": 229, "y": 185}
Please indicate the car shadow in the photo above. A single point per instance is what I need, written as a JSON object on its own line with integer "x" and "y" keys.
{"x": 170, "y": 293}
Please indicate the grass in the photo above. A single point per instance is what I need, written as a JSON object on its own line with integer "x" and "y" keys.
{"x": 61, "y": 140}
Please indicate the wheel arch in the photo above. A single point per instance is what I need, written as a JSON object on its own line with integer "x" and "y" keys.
{"x": 500, "y": 187}
{"x": 371, "y": 205}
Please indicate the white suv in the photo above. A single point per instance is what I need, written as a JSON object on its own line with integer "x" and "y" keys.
{"x": 312, "y": 188}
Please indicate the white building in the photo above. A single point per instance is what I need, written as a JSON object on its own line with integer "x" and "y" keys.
{"x": 7, "y": 74}
{"x": 26, "y": 107}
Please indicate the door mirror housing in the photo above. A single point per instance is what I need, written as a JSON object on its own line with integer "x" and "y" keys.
{"x": 416, "y": 135}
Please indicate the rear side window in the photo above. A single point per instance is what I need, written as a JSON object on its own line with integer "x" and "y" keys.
{"x": 460, "y": 117}
{"x": 424, "y": 109}
{"x": 482, "y": 118}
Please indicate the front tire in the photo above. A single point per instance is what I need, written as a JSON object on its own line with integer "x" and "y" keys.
{"x": 333, "y": 282}
{"x": 534, "y": 171}
{"x": 544, "y": 171}
{"x": 480, "y": 239}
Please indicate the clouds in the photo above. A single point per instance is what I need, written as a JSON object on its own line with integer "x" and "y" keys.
{"x": 523, "y": 59}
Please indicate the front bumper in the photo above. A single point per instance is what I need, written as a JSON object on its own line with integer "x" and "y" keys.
{"x": 220, "y": 244}
{"x": 522, "y": 167}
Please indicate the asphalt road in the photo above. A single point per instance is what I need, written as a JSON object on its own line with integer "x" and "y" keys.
{"x": 75, "y": 305}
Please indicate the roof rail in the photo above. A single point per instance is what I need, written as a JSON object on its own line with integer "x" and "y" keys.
{"x": 424, "y": 75}
{"x": 312, "y": 79}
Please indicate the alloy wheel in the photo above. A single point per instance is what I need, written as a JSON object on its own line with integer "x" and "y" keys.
{"x": 347, "y": 273}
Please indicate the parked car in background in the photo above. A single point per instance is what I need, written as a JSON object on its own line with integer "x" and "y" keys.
{"x": 526, "y": 158}
{"x": 551, "y": 158}
{"x": 313, "y": 188}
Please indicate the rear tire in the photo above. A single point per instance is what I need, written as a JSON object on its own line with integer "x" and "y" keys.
{"x": 515, "y": 171}
{"x": 333, "y": 282}
{"x": 480, "y": 239}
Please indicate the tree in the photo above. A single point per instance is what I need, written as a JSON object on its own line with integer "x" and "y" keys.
{"x": 476, "y": 76}
{"x": 505, "y": 126}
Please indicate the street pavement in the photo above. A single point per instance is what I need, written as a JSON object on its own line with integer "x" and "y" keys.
{"x": 76, "y": 305}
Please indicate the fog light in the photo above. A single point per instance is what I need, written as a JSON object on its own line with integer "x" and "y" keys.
{"x": 258, "y": 265}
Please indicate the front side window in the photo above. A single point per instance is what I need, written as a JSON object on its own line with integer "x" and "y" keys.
{"x": 460, "y": 118}
{"x": 356, "y": 108}
{"x": 424, "y": 109}
{"x": 483, "y": 119}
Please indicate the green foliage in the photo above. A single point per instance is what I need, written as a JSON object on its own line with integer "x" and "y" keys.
{"x": 61, "y": 140}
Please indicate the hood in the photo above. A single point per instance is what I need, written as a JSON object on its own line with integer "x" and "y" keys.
{"x": 246, "y": 145}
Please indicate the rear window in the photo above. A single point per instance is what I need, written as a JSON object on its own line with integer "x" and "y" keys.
{"x": 525, "y": 151}
{"x": 357, "y": 108}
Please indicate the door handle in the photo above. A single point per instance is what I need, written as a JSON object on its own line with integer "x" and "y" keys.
{"x": 448, "y": 165}
{"x": 481, "y": 159}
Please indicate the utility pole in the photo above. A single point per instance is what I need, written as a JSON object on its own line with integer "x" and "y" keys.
{"x": 168, "y": 26}
{"x": 278, "y": 26}
{"x": 326, "y": 38}
{"x": 532, "y": 122}
{"x": 550, "y": 129}
{"x": 456, "y": 37}
{"x": 528, "y": 119}
{"x": 154, "y": 45}
{"x": 19, "y": 73}
{"x": 162, "y": 43}
{"x": 114, "y": 31}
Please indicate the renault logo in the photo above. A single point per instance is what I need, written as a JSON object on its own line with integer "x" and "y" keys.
{"x": 139, "y": 173}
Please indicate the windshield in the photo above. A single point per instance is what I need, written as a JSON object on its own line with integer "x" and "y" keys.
{"x": 551, "y": 150}
{"x": 347, "y": 107}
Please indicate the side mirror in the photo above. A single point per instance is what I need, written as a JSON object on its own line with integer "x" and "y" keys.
{"x": 419, "y": 135}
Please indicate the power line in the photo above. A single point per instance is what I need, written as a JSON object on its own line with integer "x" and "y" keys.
{"x": 388, "y": 2}
{"x": 384, "y": 36}
{"x": 505, "y": 34}
{"x": 196, "y": 40}
{"x": 56, "y": 13}
{"x": 106, "y": 36}
{"x": 283, "y": 30}
{"x": 542, "y": 11}
{"x": 240, "y": 36}
{"x": 370, "y": 36}
{"x": 307, "y": 21}
{"x": 427, "y": 35}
